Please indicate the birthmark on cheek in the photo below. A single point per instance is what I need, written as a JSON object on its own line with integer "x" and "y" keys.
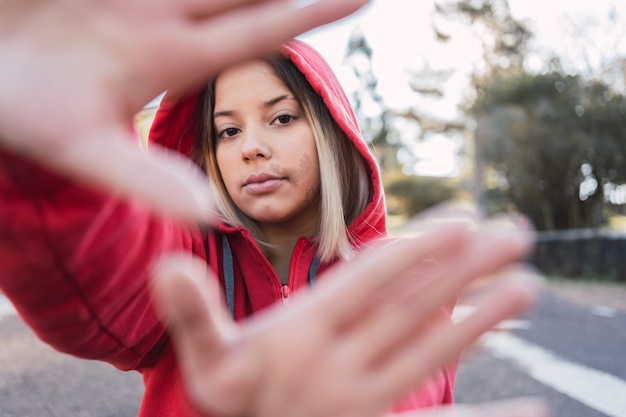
{"x": 309, "y": 171}
{"x": 304, "y": 169}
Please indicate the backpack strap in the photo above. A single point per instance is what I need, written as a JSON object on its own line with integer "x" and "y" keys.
{"x": 229, "y": 276}
{"x": 313, "y": 270}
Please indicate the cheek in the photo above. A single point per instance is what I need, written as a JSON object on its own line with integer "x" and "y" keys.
{"x": 221, "y": 156}
{"x": 223, "y": 168}
{"x": 309, "y": 170}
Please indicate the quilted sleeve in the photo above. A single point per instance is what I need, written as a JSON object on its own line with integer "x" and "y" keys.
{"x": 75, "y": 262}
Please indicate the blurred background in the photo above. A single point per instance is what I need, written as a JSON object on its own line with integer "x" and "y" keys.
{"x": 516, "y": 105}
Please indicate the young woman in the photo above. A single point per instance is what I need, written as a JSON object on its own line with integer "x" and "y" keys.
{"x": 296, "y": 186}
{"x": 297, "y": 192}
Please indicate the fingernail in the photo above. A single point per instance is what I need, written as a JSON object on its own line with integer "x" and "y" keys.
{"x": 301, "y": 4}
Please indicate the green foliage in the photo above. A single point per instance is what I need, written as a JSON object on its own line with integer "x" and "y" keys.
{"x": 504, "y": 38}
{"x": 553, "y": 141}
{"x": 381, "y": 128}
{"x": 548, "y": 145}
{"x": 409, "y": 195}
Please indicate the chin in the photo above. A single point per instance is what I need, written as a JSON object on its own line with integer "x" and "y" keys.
{"x": 270, "y": 219}
{"x": 267, "y": 216}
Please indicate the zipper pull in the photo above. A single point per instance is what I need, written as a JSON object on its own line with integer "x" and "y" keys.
{"x": 285, "y": 292}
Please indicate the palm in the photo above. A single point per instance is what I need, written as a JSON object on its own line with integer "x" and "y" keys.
{"x": 372, "y": 329}
{"x": 75, "y": 73}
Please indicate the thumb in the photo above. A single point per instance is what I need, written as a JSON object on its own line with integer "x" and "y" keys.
{"x": 188, "y": 299}
{"x": 110, "y": 157}
{"x": 162, "y": 179}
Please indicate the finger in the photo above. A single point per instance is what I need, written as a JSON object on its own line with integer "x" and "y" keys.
{"x": 256, "y": 29}
{"x": 517, "y": 407}
{"x": 441, "y": 344}
{"x": 421, "y": 298}
{"x": 206, "y": 9}
{"x": 378, "y": 267}
{"x": 112, "y": 159}
{"x": 189, "y": 302}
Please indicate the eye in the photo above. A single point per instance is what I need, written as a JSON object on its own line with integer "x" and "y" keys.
{"x": 228, "y": 132}
{"x": 284, "y": 119}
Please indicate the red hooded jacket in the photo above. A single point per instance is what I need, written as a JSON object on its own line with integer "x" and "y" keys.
{"x": 76, "y": 261}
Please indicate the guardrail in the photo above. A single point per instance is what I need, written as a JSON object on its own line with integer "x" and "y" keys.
{"x": 588, "y": 253}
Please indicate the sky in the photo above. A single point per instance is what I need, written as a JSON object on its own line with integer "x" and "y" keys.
{"x": 401, "y": 37}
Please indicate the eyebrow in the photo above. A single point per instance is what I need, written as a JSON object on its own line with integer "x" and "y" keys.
{"x": 268, "y": 103}
{"x": 278, "y": 99}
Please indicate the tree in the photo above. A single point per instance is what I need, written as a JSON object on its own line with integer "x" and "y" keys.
{"x": 504, "y": 39}
{"x": 504, "y": 44}
{"x": 382, "y": 124}
{"x": 555, "y": 143}
{"x": 408, "y": 195}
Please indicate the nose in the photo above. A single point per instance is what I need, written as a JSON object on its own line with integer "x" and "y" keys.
{"x": 254, "y": 146}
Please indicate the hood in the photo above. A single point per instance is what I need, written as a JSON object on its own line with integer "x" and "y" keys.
{"x": 175, "y": 127}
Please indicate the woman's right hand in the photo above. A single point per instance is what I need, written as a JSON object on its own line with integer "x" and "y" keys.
{"x": 75, "y": 72}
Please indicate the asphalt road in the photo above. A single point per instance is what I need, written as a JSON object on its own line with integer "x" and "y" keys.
{"x": 571, "y": 354}
{"x": 37, "y": 381}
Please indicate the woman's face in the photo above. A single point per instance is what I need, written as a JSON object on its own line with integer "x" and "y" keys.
{"x": 265, "y": 148}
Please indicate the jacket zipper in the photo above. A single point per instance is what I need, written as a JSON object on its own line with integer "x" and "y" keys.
{"x": 285, "y": 291}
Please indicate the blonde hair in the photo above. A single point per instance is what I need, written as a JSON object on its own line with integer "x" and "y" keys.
{"x": 345, "y": 181}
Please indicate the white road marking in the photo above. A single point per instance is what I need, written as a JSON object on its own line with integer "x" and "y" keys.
{"x": 462, "y": 311}
{"x": 6, "y": 308}
{"x": 604, "y": 311}
{"x": 513, "y": 325}
{"x": 599, "y": 390}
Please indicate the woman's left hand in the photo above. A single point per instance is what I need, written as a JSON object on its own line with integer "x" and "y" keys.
{"x": 518, "y": 407}
{"x": 369, "y": 332}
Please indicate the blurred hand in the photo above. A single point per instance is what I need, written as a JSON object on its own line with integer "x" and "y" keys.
{"x": 75, "y": 72}
{"x": 371, "y": 330}
{"x": 519, "y": 407}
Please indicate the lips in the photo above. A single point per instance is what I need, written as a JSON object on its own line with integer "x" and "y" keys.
{"x": 262, "y": 183}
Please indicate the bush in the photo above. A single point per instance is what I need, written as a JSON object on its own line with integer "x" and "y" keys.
{"x": 409, "y": 195}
